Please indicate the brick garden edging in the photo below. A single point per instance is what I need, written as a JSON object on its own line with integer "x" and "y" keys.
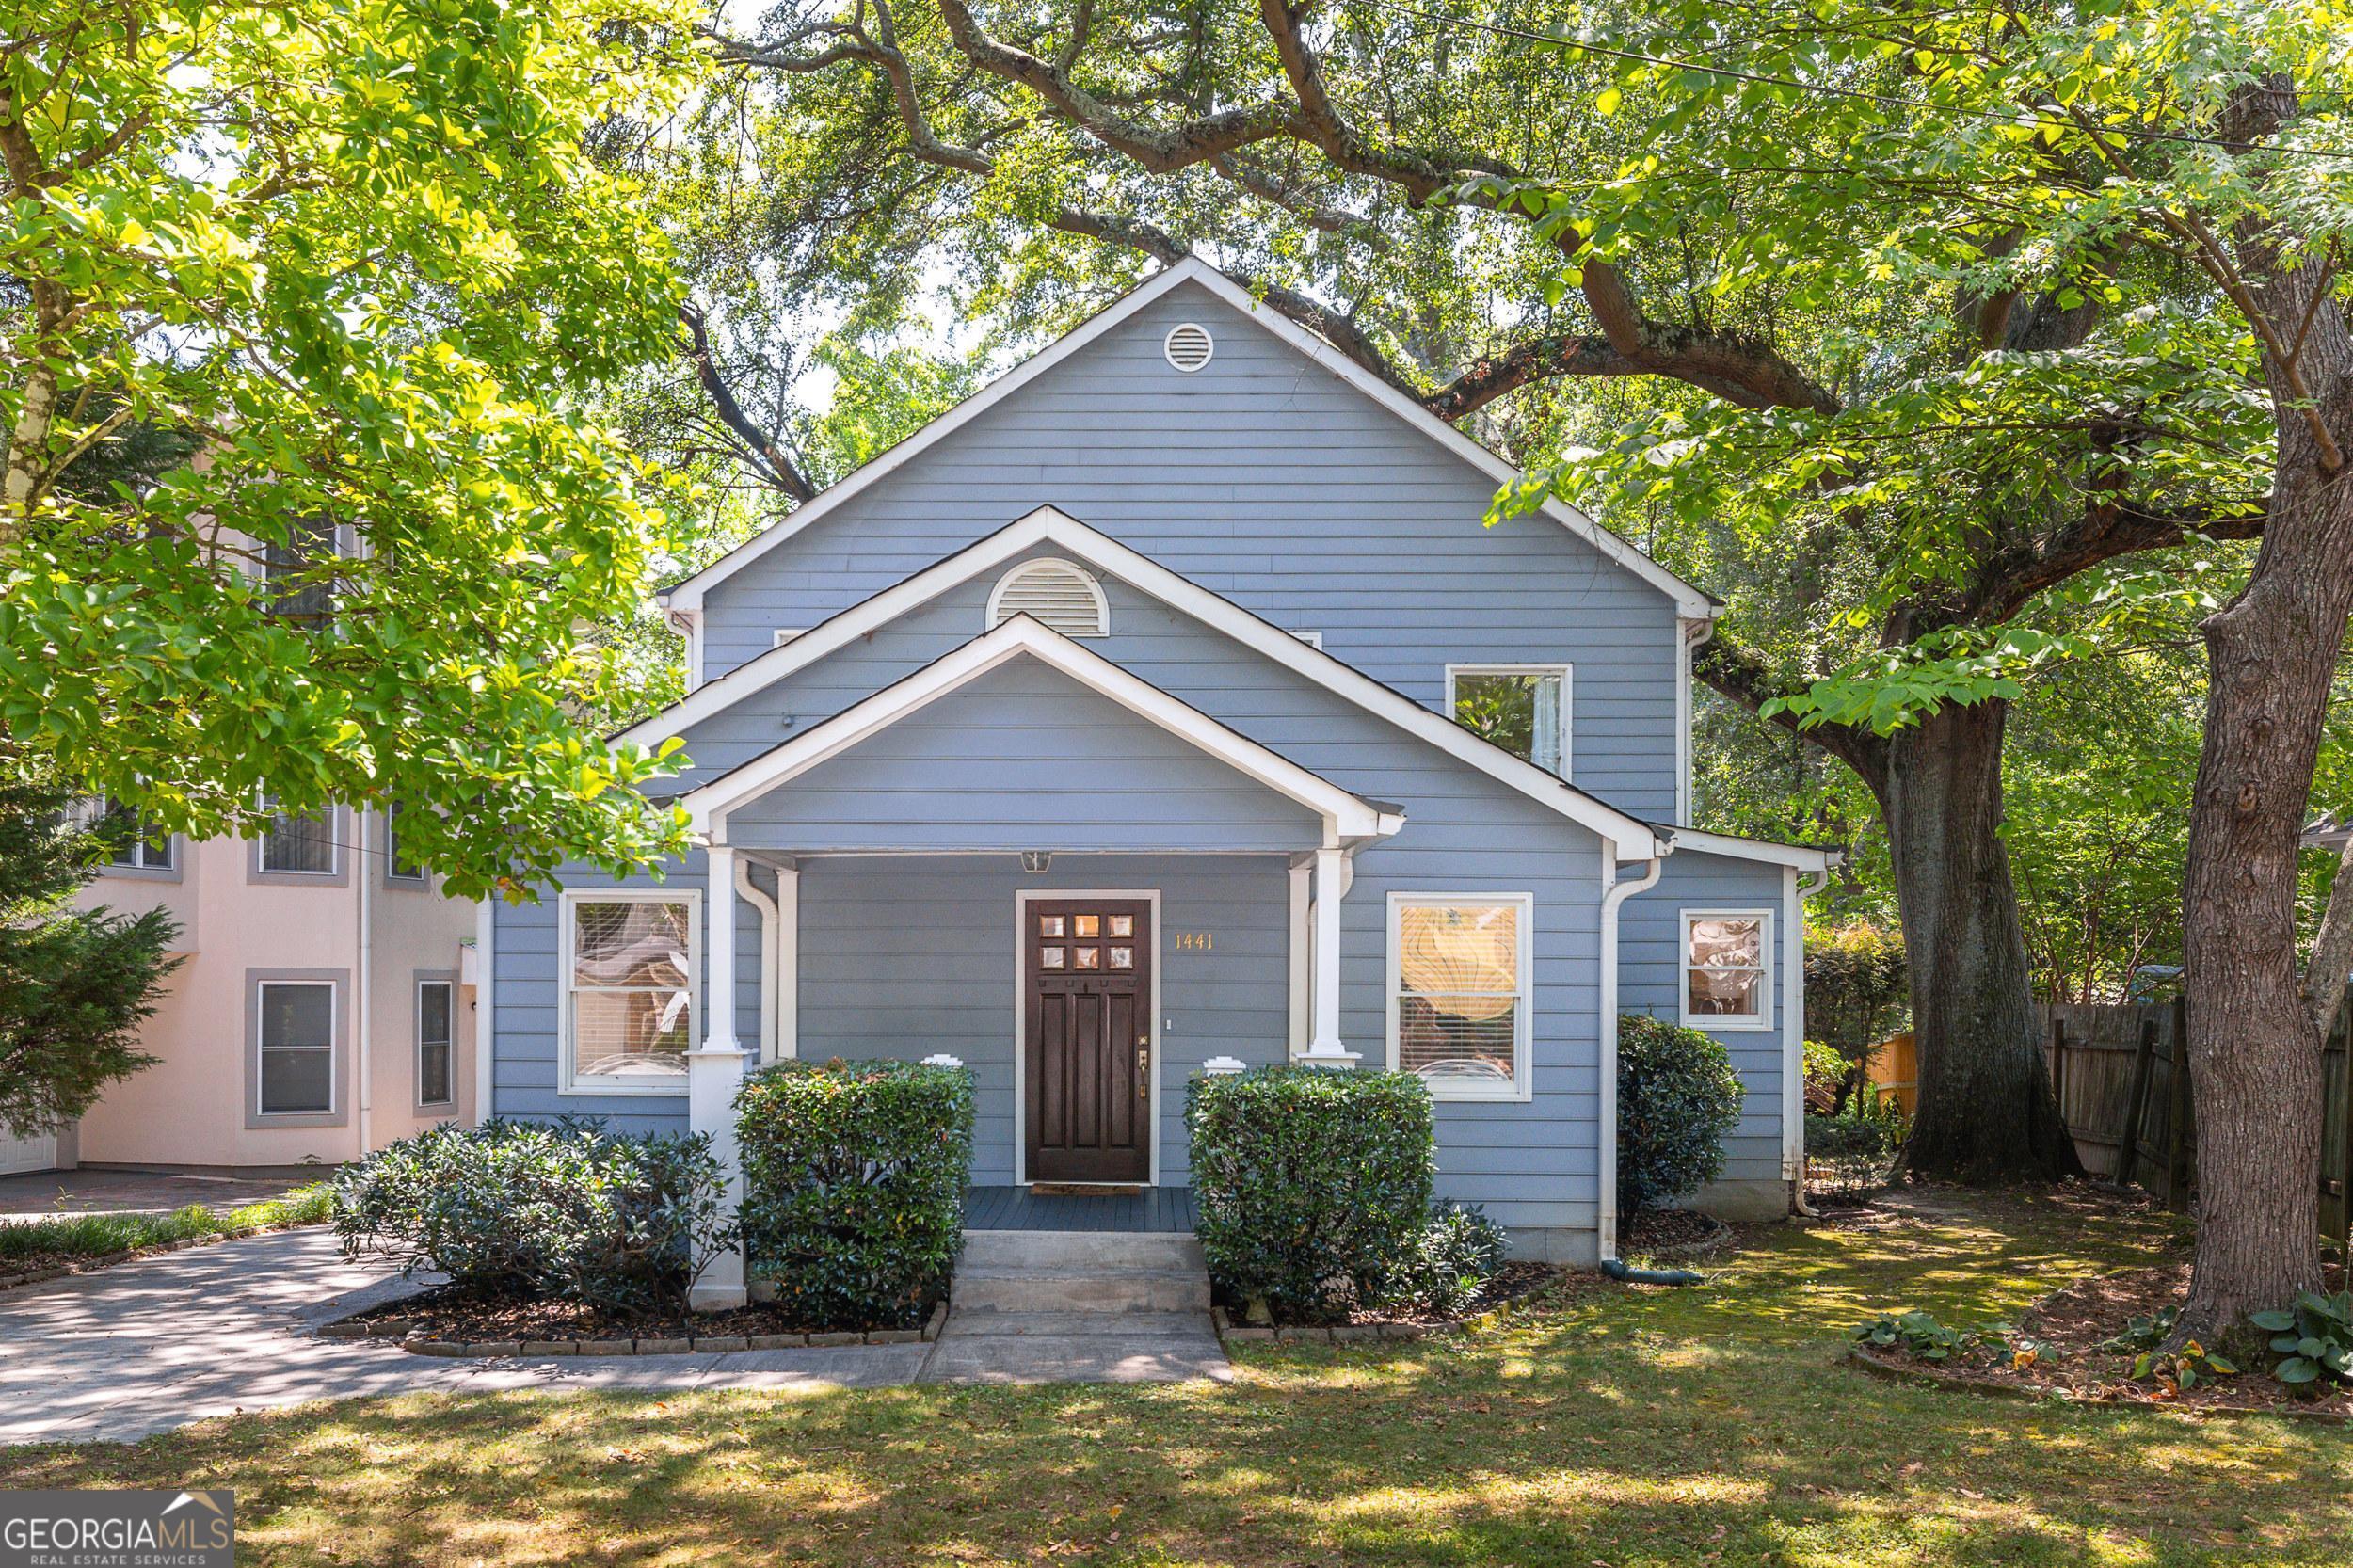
{"x": 108, "y": 1260}
{"x": 413, "y": 1339}
{"x": 1232, "y": 1332}
{"x": 1888, "y": 1369}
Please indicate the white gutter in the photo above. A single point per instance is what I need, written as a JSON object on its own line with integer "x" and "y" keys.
{"x": 1614, "y": 893}
{"x": 770, "y": 936}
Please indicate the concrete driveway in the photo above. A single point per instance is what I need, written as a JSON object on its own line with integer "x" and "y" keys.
{"x": 162, "y": 1341}
{"x": 54, "y": 1192}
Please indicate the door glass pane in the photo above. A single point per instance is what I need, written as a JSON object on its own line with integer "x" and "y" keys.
{"x": 1089, "y": 958}
{"x": 1086, "y": 925}
{"x": 1050, "y": 958}
{"x": 1049, "y": 925}
{"x": 1123, "y": 925}
{"x": 1123, "y": 958}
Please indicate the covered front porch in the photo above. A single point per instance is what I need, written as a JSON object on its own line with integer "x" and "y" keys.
{"x": 1026, "y": 861}
{"x": 1146, "y": 1212}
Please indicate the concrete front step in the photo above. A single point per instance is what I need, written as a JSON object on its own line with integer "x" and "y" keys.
{"x": 1094, "y": 1288}
{"x": 1079, "y": 1249}
{"x": 1062, "y": 1273}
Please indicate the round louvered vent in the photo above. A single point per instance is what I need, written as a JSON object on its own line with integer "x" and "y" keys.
{"x": 1188, "y": 346}
{"x": 1058, "y": 594}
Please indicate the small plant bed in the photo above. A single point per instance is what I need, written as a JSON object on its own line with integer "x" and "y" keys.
{"x": 1672, "y": 1233}
{"x": 32, "y": 1250}
{"x": 2102, "y": 1341}
{"x": 445, "y": 1321}
{"x": 1511, "y": 1284}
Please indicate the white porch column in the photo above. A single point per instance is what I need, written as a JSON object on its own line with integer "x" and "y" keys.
{"x": 715, "y": 1070}
{"x": 1323, "y": 1041}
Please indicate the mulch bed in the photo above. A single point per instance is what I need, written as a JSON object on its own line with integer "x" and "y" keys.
{"x": 1672, "y": 1233}
{"x": 2081, "y": 1318}
{"x": 445, "y": 1313}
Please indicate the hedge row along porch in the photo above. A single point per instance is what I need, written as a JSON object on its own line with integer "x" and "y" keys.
{"x": 1151, "y": 711}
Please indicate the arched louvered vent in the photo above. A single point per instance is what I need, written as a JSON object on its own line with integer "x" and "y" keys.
{"x": 1188, "y": 346}
{"x": 1060, "y": 594}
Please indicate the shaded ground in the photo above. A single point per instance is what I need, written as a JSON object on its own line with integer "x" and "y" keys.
{"x": 1626, "y": 1428}
{"x": 50, "y": 1193}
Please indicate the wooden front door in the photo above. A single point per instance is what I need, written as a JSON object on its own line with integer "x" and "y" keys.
{"x": 1087, "y": 974}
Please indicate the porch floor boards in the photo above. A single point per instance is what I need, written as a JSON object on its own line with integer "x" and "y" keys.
{"x": 1154, "y": 1211}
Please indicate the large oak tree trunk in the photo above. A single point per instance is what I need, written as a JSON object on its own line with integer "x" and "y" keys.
{"x": 1985, "y": 1106}
{"x": 2254, "y": 1047}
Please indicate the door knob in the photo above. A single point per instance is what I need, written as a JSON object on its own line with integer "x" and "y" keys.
{"x": 1144, "y": 1070}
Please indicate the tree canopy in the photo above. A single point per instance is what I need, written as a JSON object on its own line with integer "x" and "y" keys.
{"x": 358, "y": 261}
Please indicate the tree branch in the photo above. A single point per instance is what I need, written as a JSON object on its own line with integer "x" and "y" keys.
{"x": 1738, "y": 673}
{"x": 783, "y": 474}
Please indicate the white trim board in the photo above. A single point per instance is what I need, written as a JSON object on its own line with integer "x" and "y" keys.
{"x": 1022, "y": 897}
{"x": 1345, "y": 816}
{"x": 1634, "y": 839}
{"x": 687, "y": 595}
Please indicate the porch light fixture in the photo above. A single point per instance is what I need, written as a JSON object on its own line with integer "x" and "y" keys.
{"x": 1036, "y": 859}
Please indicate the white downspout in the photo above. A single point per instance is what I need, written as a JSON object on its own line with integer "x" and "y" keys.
{"x": 485, "y": 1004}
{"x": 1614, "y": 894}
{"x": 362, "y": 989}
{"x": 769, "y": 937}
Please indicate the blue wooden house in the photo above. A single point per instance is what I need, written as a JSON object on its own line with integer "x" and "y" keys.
{"x": 1168, "y": 708}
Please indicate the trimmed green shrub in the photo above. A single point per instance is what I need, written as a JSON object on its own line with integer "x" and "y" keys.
{"x": 1678, "y": 1099}
{"x": 548, "y": 1211}
{"x": 1313, "y": 1185}
{"x": 855, "y": 1175}
{"x": 1857, "y": 1150}
{"x": 1451, "y": 1262}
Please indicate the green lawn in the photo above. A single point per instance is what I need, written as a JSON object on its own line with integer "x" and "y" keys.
{"x": 33, "y": 1242}
{"x": 1711, "y": 1426}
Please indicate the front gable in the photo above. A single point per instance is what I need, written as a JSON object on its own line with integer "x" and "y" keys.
{"x": 1273, "y": 475}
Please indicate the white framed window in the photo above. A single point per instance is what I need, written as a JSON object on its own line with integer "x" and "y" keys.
{"x": 294, "y": 1037}
{"x": 437, "y": 1020}
{"x": 632, "y": 966}
{"x": 395, "y": 868}
{"x": 297, "y": 844}
{"x": 1461, "y": 993}
{"x": 1059, "y": 594}
{"x": 1313, "y": 639}
{"x": 1728, "y": 969}
{"x": 299, "y": 573}
{"x": 1522, "y": 707}
{"x": 786, "y": 634}
{"x": 136, "y": 842}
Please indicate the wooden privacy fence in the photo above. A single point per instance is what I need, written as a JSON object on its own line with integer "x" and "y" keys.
{"x": 2118, "y": 1074}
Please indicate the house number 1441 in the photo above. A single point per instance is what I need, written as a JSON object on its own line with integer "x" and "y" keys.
{"x": 1195, "y": 941}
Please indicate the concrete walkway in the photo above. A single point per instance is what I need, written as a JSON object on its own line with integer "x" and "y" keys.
{"x": 154, "y": 1344}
